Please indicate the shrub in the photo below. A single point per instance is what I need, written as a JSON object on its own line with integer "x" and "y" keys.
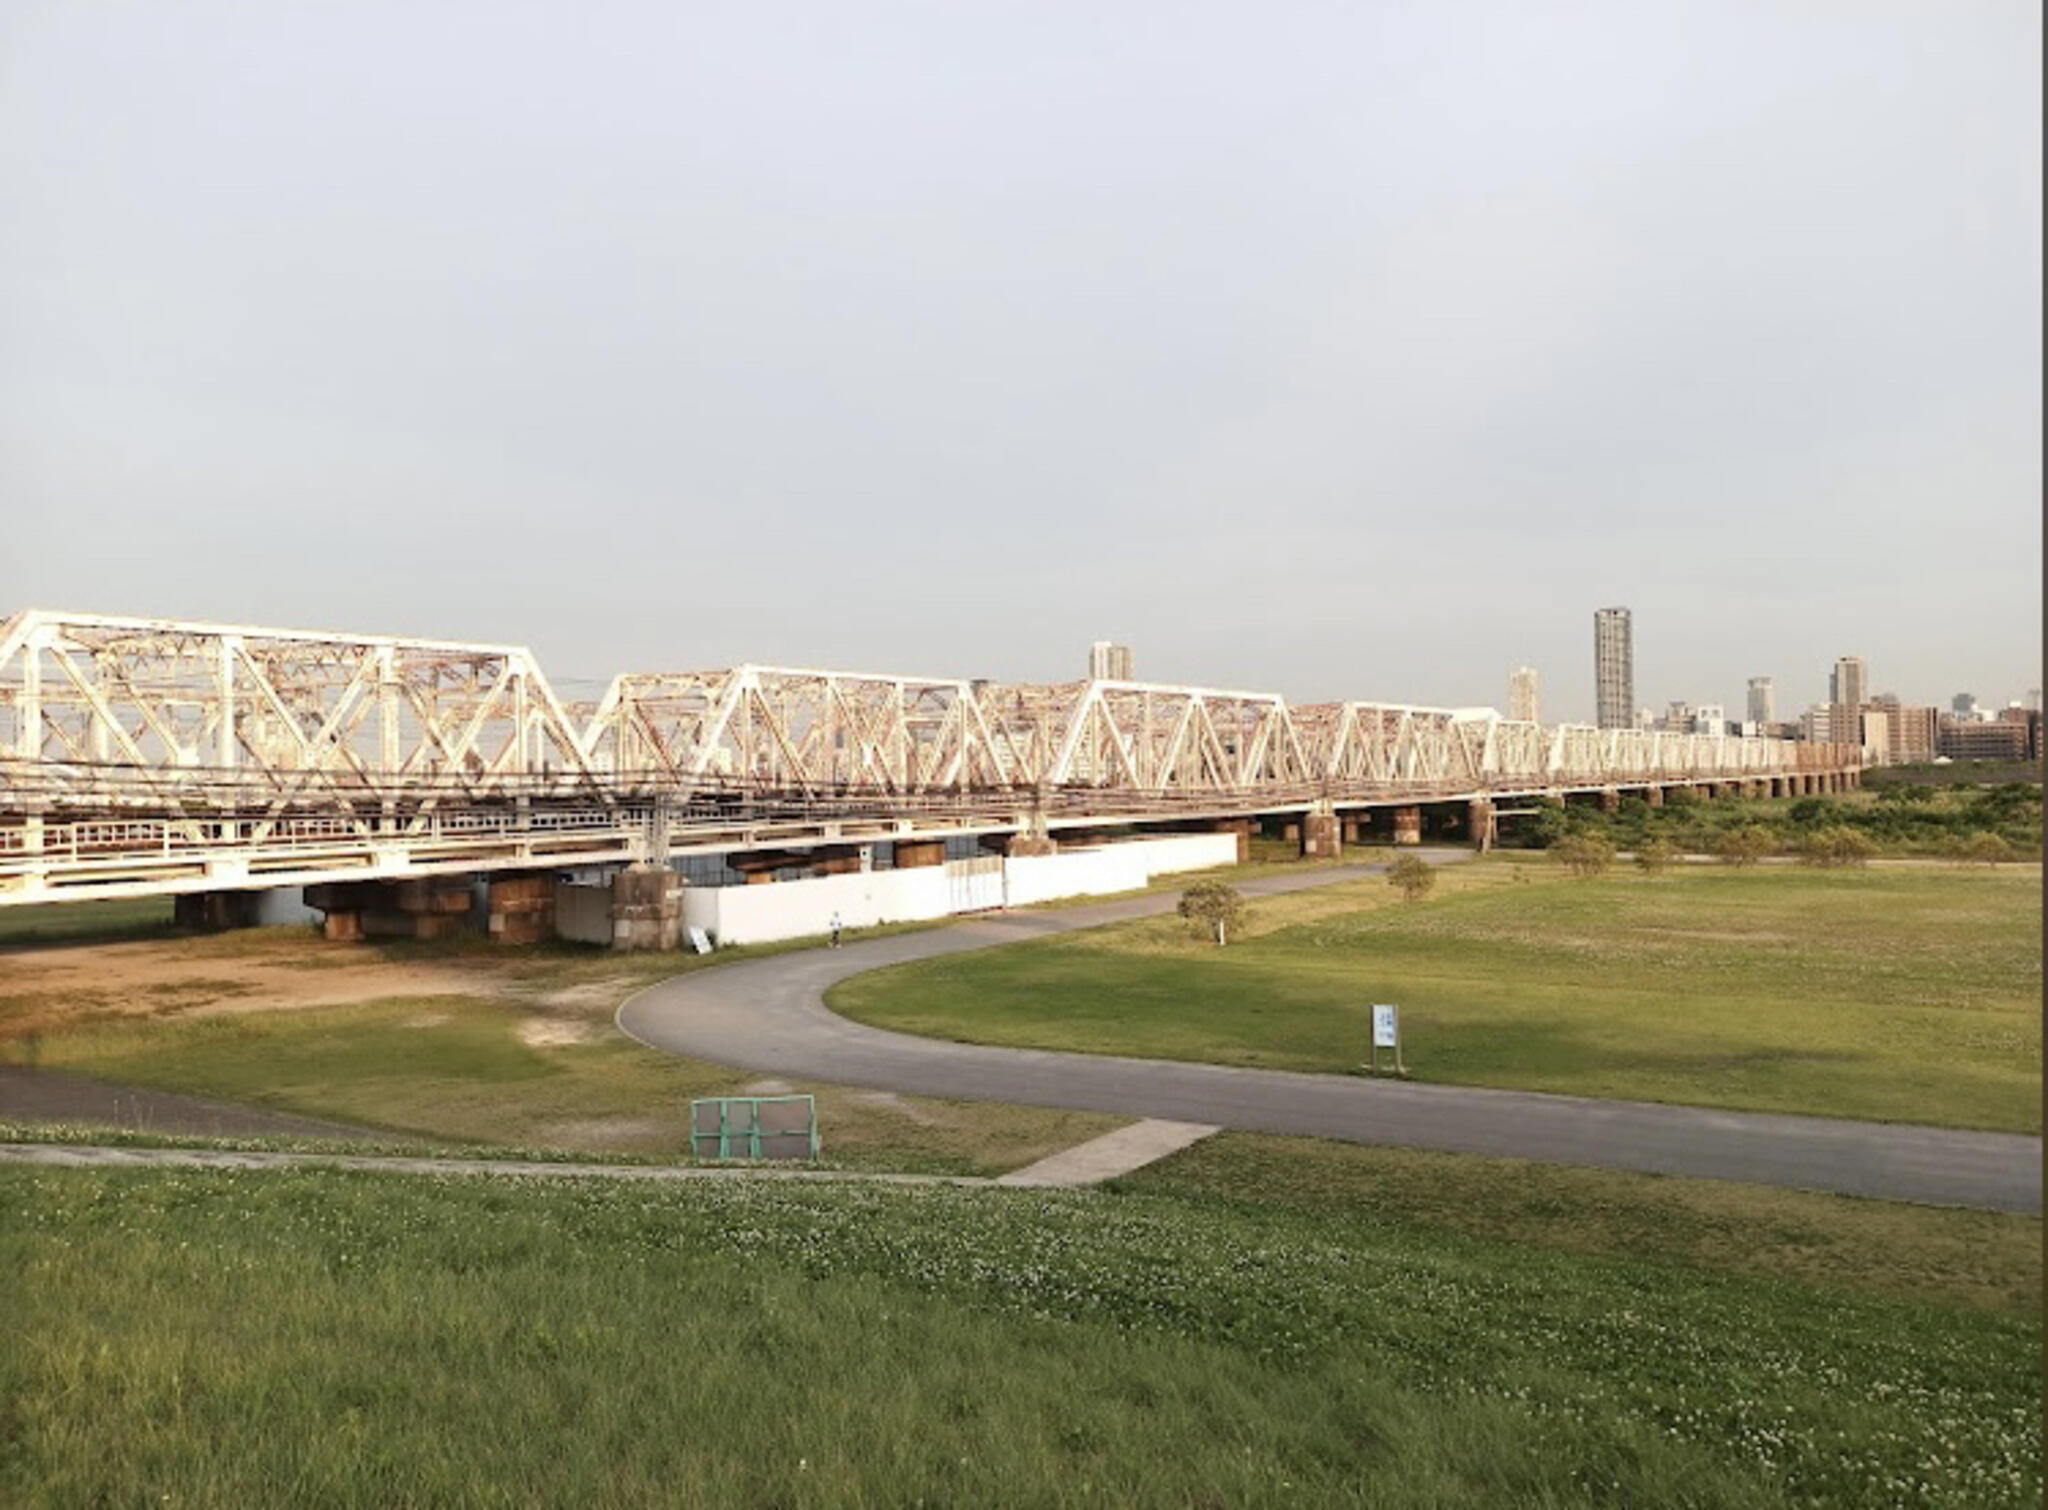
{"x": 1412, "y": 877}
{"x": 1546, "y": 825}
{"x": 1986, "y": 849}
{"x": 1213, "y": 907}
{"x": 1835, "y": 846}
{"x": 1745, "y": 845}
{"x": 1653, "y": 856}
{"x": 1584, "y": 855}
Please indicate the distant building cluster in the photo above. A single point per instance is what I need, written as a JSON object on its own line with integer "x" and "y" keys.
{"x": 1890, "y": 731}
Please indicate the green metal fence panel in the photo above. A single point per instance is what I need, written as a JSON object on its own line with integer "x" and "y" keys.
{"x": 754, "y": 1127}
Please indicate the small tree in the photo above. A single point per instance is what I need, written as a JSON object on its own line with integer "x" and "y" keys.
{"x": 1837, "y": 845}
{"x": 1744, "y": 846}
{"x": 1584, "y": 855}
{"x": 1654, "y": 855}
{"x": 1986, "y": 849}
{"x": 1213, "y": 907}
{"x": 1412, "y": 877}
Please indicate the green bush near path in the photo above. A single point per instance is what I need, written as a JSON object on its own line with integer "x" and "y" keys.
{"x": 1906, "y": 995}
{"x": 232, "y": 1338}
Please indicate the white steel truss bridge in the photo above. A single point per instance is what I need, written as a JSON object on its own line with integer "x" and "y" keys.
{"x": 143, "y": 756}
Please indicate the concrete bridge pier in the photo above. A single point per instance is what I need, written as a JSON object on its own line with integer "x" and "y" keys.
{"x": 1482, "y": 823}
{"x": 1654, "y": 795}
{"x": 1610, "y": 800}
{"x": 215, "y": 911}
{"x": 1321, "y": 835}
{"x": 647, "y": 908}
{"x": 427, "y": 907}
{"x": 1407, "y": 825}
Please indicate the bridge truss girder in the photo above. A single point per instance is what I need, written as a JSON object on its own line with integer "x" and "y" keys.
{"x": 171, "y": 754}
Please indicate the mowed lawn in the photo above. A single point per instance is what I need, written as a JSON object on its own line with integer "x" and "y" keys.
{"x": 1896, "y": 994}
{"x": 254, "y": 1338}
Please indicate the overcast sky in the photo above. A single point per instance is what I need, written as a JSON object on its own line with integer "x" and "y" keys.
{"x": 1338, "y": 349}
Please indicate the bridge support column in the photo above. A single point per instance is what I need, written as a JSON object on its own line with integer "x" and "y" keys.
{"x": 1654, "y": 795}
{"x": 1610, "y": 800}
{"x": 1025, "y": 846}
{"x": 1321, "y": 837}
{"x": 914, "y": 854}
{"x": 427, "y": 907}
{"x": 520, "y": 909}
{"x": 1353, "y": 830}
{"x": 1479, "y": 818}
{"x": 214, "y": 911}
{"x": 1407, "y": 825}
{"x": 647, "y": 908}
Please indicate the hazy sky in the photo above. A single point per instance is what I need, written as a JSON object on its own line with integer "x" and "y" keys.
{"x": 1338, "y": 349}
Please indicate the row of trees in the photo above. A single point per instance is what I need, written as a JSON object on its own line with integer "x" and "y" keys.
{"x": 1587, "y": 854}
{"x": 1907, "y": 820}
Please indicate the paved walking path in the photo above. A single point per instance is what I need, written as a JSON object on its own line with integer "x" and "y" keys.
{"x": 1112, "y": 1154}
{"x": 1089, "y": 1163}
{"x": 38, "y": 1095}
{"x": 769, "y": 1015}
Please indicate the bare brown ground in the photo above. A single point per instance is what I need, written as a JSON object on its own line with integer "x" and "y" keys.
{"x": 45, "y": 988}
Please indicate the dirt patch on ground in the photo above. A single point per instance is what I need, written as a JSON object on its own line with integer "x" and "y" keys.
{"x": 44, "y": 989}
{"x": 890, "y": 1101}
{"x": 598, "y": 998}
{"x": 615, "y": 1135}
{"x": 554, "y": 1033}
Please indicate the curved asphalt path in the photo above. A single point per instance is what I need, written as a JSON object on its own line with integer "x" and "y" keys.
{"x": 769, "y": 1015}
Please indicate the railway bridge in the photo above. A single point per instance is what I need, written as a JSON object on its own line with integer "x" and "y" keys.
{"x": 147, "y": 756}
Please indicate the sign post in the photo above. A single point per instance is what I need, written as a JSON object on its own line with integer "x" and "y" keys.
{"x": 1386, "y": 1034}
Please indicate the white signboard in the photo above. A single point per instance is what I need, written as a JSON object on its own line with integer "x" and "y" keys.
{"x": 1386, "y": 1027}
{"x": 700, "y": 941}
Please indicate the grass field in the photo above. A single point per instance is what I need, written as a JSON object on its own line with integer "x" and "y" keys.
{"x": 247, "y": 1338}
{"x": 486, "y": 1072}
{"x": 1907, "y": 994}
{"x": 141, "y": 917}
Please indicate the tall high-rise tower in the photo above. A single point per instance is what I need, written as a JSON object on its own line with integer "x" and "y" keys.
{"x": 1849, "y": 683}
{"x": 1848, "y": 691}
{"x": 1522, "y": 695}
{"x": 1763, "y": 701}
{"x": 1614, "y": 668}
{"x": 1109, "y": 662}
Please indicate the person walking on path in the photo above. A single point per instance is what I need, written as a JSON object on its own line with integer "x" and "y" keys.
{"x": 835, "y": 928}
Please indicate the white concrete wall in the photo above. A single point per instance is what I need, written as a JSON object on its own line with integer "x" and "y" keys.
{"x": 284, "y": 904}
{"x": 584, "y": 913}
{"x": 803, "y": 909}
{"x": 1179, "y": 852}
{"x": 1074, "y": 873}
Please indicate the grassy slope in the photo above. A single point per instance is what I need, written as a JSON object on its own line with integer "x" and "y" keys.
{"x": 455, "y": 1067}
{"x": 1932, "y": 1255}
{"x": 1899, "y": 994}
{"x": 239, "y": 1338}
